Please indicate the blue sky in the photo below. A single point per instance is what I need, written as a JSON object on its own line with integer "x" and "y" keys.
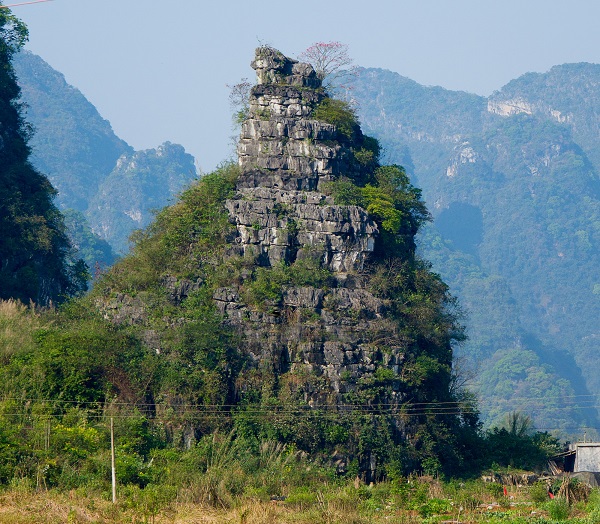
{"x": 159, "y": 69}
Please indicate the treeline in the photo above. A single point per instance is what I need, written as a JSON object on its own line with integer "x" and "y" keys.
{"x": 36, "y": 260}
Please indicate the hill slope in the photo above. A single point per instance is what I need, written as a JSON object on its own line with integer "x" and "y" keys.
{"x": 35, "y": 255}
{"x": 72, "y": 144}
{"x": 513, "y": 186}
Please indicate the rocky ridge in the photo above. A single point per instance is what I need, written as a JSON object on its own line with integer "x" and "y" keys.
{"x": 281, "y": 217}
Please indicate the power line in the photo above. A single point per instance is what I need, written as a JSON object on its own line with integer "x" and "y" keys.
{"x": 334, "y": 411}
{"x": 24, "y": 3}
{"x": 568, "y": 402}
{"x": 396, "y": 407}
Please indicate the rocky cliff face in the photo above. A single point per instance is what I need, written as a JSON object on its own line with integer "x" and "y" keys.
{"x": 281, "y": 217}
{"x": 285, "y": 156}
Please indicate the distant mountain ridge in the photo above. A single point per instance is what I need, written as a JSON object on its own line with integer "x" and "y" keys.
{"x": 72, "y": 144}
{"x": 84, "y": 159}
{"x": 140, "y": 183}
{"x": 512, "y": 182}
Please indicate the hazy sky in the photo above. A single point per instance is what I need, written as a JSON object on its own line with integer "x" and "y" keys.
{"x": 159, "y": 69}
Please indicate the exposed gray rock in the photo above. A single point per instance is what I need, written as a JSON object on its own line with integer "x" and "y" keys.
{"x": 272, "y": 67}
{"x": 124, "y": 309}
{"x": 281, "y": 216}
{"x": 180, "y": 289}
{"x": 273, "y": 224}
{"x": 280, "y": 145}
{"x": 285, "y": 156}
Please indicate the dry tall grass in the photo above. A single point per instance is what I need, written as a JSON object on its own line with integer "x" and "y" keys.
{"x": 17, "y": 326}
{"x": 23, "y": 505}
{"x": 54, "y": 508}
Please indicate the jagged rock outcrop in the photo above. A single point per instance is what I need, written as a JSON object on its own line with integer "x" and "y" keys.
{"x": 280, "y": 215}
{"x": 276, "y": 225}
{"x": 285, "y": 156}
{"x": 280, "y": 145}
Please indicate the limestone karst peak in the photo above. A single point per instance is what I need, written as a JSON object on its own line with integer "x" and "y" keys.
{"x": 273, "y": 67}
{"x": 285, "y": 155}
{"x": 282, "y": 145}
{"x": 295, "y": 278}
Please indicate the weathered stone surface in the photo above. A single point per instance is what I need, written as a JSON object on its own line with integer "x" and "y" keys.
{"x": 284, "y": 156}
{"x": 281, "y": 216}
{"x": 180, "y": 289}
{"x": 269, "y": 219}
{"x": 124, "y": 309}
{"x": 273, "y": 67}
{"x": 308, "y": 297}
{"x": 280, "y": 145}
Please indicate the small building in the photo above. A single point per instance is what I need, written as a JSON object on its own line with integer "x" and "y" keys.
{"x": 582, "y": 456}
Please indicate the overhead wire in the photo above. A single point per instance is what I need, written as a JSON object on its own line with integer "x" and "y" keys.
{"x": 433, "y": 408}
{"x": 24, "y": 3}
{"x": 591, "y": 397}
{"x": 269, "y": 413}
{"x": 567, "y": 402}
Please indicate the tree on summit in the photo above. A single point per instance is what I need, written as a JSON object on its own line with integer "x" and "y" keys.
{"x": 330, "y": 60}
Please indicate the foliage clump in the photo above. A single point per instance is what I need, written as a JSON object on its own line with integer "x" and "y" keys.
{"x": 182, "y": 238}
{"x": 340, "y": 114}
{"x": 392, "y": 201}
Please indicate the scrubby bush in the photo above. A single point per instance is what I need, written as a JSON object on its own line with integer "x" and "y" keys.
{"x": 558, "y": 509}
{"x": 340, "y": 114}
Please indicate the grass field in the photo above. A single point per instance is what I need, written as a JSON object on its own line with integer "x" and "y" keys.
{"x": 414, "y": 500}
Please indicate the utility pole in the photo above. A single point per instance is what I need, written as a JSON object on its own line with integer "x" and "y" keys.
{"x": 112, "y": 460}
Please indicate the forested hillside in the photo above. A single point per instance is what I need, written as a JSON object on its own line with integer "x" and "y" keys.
{"x": 72, "y": 144}
{"x": 512, "y": 182}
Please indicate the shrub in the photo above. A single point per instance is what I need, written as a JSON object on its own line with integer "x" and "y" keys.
{"x": 338, "y": 113}
{"x": 344, "y": 192}
{"x": 558, "y": 509}
{"x": 434, "y": 507}
{"x": 539, "y": 492}
{"x": 302, "y": 497}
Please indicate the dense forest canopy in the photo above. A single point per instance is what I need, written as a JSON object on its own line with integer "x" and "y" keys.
{"x": 512, "y": 182}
